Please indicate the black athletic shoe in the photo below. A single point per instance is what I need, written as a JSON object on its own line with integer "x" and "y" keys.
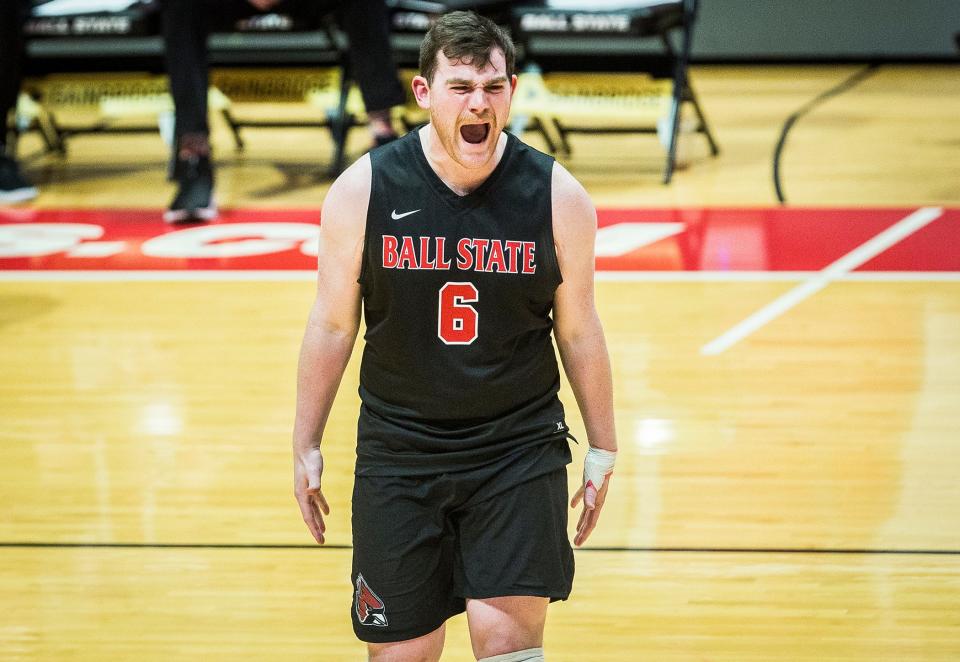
{"x": 13, "y": 187}
{"x": 194, "y": 200}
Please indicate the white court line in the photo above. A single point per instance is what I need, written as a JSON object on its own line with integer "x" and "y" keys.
{"x": 159, "y": 276}
{"x": 699, "y": 276}
{"x": 903, "y": 277}
{"x": 858, "y": 256}
{"x": 772, "y": 276}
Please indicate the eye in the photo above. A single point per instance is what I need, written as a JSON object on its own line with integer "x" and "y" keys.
{"x": 495, "y": 89}
{"x": 460, "y": 89}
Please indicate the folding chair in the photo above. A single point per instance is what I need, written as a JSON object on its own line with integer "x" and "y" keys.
{"x": 640, "y": 19}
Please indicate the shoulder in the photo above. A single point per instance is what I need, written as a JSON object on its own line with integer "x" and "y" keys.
{"x": 574, "y": 216}
{"x": 527, "y": 155}
{"x": 345, "y": 206}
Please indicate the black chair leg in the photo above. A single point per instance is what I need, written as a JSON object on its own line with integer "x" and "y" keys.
{"x": 565, "y": 147}
{"x": 340, "y": 123}
{"x": 54, "y": 137}
{"x": 537, "y": 125}
{"x": 234, "y": 129}
{"x": 703, "y": 128}
{"x": 679, "y": 85}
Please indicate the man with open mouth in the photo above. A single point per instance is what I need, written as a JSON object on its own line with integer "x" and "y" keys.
{"x": 468, "y": 252}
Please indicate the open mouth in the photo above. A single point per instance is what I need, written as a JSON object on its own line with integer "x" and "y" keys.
{"x": 475, "y": 133}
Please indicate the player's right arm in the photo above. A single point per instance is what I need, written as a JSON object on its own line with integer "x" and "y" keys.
{"x": 331, "y": 333}
{"x": 581, "y": 343}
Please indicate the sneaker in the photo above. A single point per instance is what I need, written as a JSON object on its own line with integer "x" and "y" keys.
{"x": 194, "y": 200}
{"x": 13, "y": 187}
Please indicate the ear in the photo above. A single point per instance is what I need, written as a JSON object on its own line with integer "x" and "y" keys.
{"x": 421, "y": 90}
{"x": 513, "y": 84}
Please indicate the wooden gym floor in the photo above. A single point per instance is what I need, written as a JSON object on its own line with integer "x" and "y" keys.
{"x": 792, "y": 495}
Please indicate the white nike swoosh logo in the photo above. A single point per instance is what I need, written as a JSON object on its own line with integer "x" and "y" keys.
{"x": 395, "y": 216}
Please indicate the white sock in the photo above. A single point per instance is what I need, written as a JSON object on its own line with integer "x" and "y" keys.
{"x": 527, "y": 655}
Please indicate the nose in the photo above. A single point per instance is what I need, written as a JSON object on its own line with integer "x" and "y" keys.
{"x": 477, "y": 100}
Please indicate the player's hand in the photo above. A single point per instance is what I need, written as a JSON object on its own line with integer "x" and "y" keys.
{"x": 592, "y": 505}
{"x": 307, "y": 467}
{"x": 597, "y": 472}
{"x": 263, "y": 5}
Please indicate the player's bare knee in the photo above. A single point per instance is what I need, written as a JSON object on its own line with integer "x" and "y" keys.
{"x": 494, "y": 645}
{"x": 422, "y": 649}
{"x": 525, "y": 655}
{"x": 505, "y": 625}
{"x": 388, "y": 653}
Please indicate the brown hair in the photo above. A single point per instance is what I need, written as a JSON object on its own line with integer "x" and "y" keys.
{"x": 465, "y": 37}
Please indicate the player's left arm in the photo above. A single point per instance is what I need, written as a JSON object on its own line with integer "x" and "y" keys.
{"x": 579, "y": 336}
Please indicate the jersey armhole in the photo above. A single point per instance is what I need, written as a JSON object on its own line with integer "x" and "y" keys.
{"x": 362, "y": 278}
{"x": 554, "y": 258}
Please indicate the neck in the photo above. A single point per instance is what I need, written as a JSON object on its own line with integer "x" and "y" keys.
{"x": 459, "y": 179}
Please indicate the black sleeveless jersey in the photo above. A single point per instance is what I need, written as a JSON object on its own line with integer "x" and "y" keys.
{"x": 458, "y": 368}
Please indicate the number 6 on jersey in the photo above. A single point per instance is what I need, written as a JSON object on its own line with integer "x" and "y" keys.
{"x": 457, "y": 322}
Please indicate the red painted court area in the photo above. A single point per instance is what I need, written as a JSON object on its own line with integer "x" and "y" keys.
{"x": 670, "y": 240}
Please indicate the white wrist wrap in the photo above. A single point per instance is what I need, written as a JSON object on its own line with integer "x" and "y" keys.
{"x": 597, "y": 466}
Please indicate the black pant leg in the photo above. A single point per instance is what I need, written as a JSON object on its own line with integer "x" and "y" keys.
{"x": 367, "y": 25}
{"x": 185, "y": 31}
{"x": 13, "y": 14}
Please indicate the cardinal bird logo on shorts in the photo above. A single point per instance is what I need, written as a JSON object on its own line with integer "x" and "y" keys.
{"x": 369, "y": 606}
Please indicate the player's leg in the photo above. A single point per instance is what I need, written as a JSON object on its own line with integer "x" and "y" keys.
{"x": 403, "y": 560}
{"x": 516, "y": 558}
{"x": 422, "y": 649}
{"x": 509, "y": 624}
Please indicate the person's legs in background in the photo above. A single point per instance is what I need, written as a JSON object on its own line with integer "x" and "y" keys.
{"x": 185, "y": 29}
{"x": 13, "y": 13}
{"x": 367, "y": 26}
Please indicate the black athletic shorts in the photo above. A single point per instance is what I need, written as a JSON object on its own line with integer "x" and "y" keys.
{"x": 423, "y": 544}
